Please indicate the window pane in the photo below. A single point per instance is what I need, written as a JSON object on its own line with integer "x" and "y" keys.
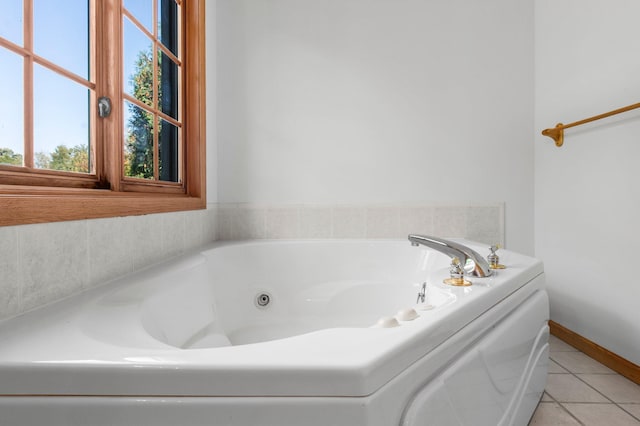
{"x": 138, "y": 142}
{"x": 168, "y": 90}
{"x": 11, "y": 108}
{"x": 138, "y": 64}
{"x": 168, "y": 24}
{"x": 168, "y": 151}
{"x": 142, "y": 10}
{"x": 11, "y": 21}
{"x": 61, "y": 122}
{"x": 61, "y": 33}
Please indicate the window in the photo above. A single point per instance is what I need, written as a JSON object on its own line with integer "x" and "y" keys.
{"x": 65, "y": 65}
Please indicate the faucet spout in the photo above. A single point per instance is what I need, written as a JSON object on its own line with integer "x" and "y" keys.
{"x": 472, "y": 262}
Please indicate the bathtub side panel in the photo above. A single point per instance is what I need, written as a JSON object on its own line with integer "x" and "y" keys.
{"x": 492, "y": 379}
{"x": 183, "y": 411}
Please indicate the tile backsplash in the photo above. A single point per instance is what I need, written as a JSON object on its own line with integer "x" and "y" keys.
{"x": 484, "y": 223}
{"x": 42, "y": 263}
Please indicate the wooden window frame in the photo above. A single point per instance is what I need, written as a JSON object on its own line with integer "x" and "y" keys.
{"x": 48, "y": 198}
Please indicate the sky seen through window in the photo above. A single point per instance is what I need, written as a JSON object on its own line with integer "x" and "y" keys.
{"x": 61, "y": 110}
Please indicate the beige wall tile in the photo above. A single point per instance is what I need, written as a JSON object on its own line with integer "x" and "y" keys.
{"x": 382, "y": 222}
{"x": 225, "y": 225}
{"x": 147, "y": 233}
{"x": 42, "y": 263}
{"x": 210, "y": 225}
{"x": 415, "y": 220}
{"x": 111, "y": 249}
{"x": 282, "y": 222}
{"x": 194, "y": 228}
{"x": 450, "y": 221}
{"x": 349, "y": 222}
{"x": 53, "y": 261}
{"x": 484, "y": 224}
{"x": 315, "y": 222}
{"x": 238, "y": 221}
{"x": 249, "y": 223}
{"x": 173, "y": 234}
{"x": 10, "y": 285}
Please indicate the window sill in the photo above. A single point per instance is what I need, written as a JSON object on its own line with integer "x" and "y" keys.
{"x": 40, "y": 206}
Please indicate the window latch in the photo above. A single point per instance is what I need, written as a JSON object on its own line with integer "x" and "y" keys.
{"x": 104, "y": 107}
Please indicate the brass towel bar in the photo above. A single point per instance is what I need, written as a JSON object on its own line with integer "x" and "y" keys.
{"x": 557, "y": 133}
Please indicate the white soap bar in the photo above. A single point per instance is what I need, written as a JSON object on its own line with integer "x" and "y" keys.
{"x": 408, "y": 314}
{"x": 387, "y": 322}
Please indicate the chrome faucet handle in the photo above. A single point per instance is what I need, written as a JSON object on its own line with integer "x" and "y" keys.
{"x": 455, "y": 269}
{"x": 493, "y": 258}
{"x": 456, "y": 274}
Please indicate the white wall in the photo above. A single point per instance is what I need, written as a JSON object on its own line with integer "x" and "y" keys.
{"x": 378, "y": 101}
{"x": 211, "y": 149}
{"x": 587, "y": 203}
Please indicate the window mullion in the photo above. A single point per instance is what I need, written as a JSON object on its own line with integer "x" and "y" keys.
{"x": 28, "y": 83}
{"x": 109, "y": 132}
{"x": 156, "y": 97}
{"x": 93, "y": 99}
{"x": 99, "y": 63}
{"x": 156, "y": 107}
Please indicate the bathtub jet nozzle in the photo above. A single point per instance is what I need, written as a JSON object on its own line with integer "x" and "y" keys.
{"x": 471, "y": 261}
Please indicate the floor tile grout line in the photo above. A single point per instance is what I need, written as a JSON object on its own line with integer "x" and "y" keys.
{"x": 619, "y": 404}
{"x": 575, "y": 375}
{"x": 588, "y": 402}
{"x": 629, "y": 413}
{"x": 556, "y": 362}
{"x": 601, "y": 374}
{"x": 603, "y": 395}
{"x": 563, "y": 407}
{"x": 562, "y": 404}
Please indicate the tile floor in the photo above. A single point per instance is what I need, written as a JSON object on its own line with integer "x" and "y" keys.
{"x": 581, "y": 391}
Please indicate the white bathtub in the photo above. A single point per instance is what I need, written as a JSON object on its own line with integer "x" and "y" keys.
{"x": 186, "y": 343}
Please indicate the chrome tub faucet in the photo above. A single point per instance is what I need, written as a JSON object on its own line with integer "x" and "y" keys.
{"x": 471, "y": 261}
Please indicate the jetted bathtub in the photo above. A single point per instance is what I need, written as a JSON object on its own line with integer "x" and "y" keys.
{"x": 305, "y": 333}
